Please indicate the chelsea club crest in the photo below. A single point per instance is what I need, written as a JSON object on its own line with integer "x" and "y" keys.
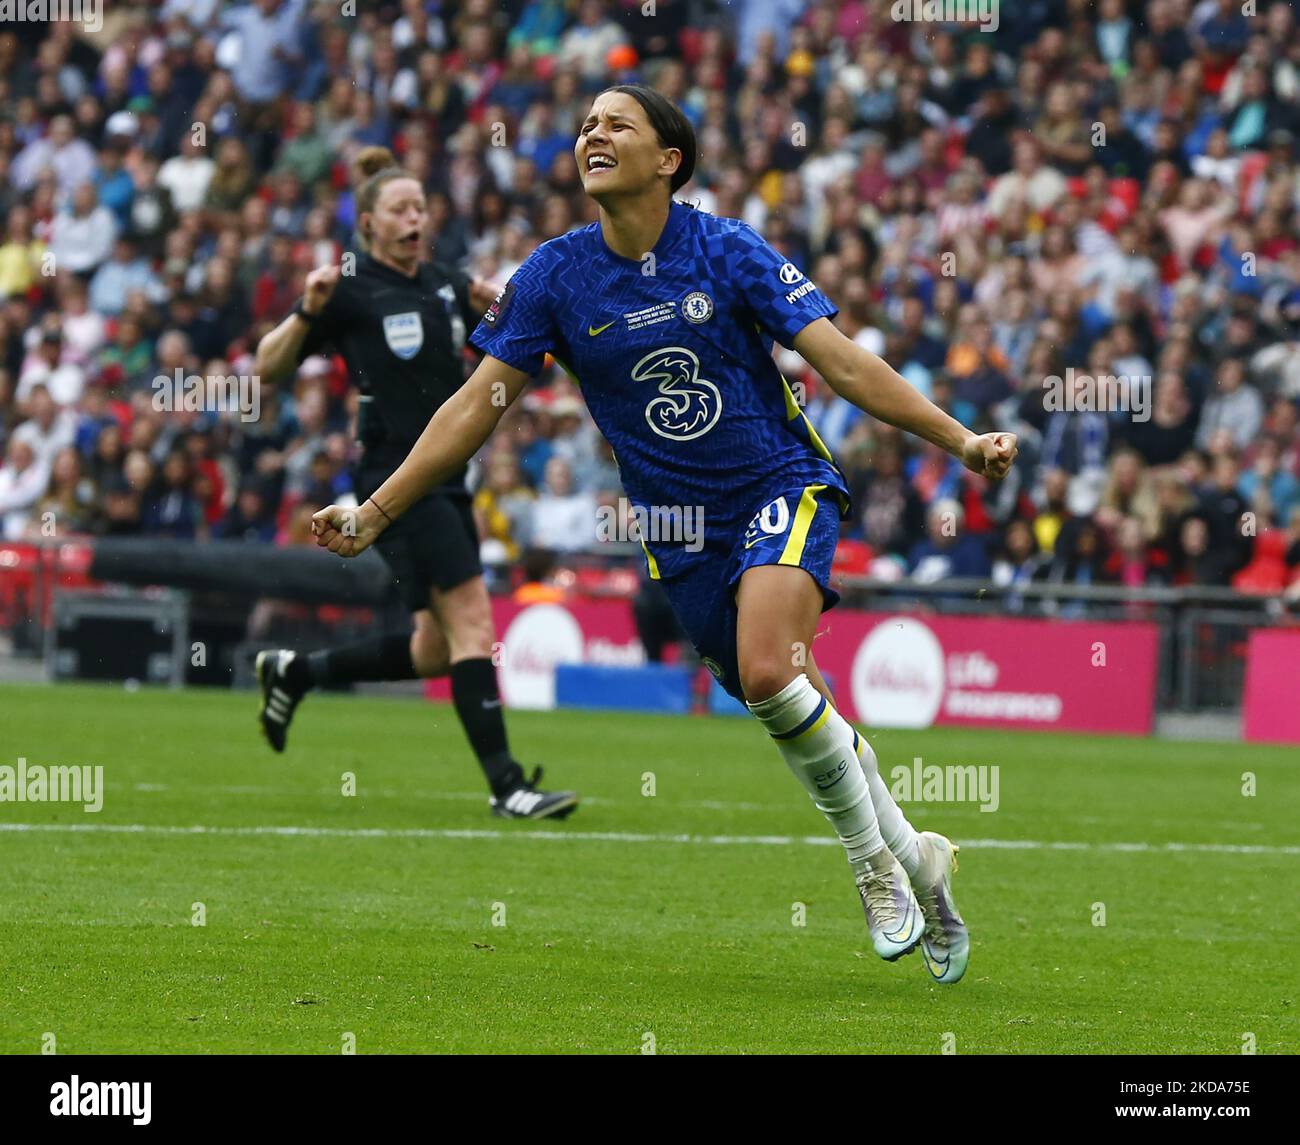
{"x": 697, "y": 307}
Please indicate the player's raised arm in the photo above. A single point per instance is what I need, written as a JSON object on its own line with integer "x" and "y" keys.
{"x": 870, "y": 383}
{"x": 454, "y": 434}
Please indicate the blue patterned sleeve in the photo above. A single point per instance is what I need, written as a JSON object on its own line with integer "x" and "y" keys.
{"x": 783, "y": 299}
{"x": 518, "y": 328}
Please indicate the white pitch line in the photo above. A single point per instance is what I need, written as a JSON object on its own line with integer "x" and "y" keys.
{"x": 560, "y": 834}
{"x": 445, "y": 796}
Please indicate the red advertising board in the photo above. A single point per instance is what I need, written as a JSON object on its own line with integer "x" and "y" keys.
{"x": 1271, "y": 702}
{"x": 892, "y": 670}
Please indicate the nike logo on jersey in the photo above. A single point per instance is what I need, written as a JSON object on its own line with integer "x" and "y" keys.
{"x": 594, "y": 330}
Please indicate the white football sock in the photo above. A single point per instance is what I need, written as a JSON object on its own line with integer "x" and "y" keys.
{"x": 817, "y": 745}
{"x": 899, "y": 835}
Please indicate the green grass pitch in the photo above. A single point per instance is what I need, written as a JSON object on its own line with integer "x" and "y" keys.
{"x": 664, "y": 920}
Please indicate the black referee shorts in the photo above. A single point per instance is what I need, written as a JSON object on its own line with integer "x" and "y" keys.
{"x": 434, "y": 544}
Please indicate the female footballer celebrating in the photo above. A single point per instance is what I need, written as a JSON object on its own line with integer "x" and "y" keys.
{"x": 666, "y": 317}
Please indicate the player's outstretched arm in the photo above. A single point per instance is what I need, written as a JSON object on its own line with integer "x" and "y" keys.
{"x": 867, "y": 381}
{"x": 454, "y": 434}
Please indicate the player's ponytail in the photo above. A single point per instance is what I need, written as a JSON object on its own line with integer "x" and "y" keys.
{"x": 670, "y": 124}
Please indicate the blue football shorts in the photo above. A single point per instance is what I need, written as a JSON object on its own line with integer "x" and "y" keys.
{"x": 799, "y": 527}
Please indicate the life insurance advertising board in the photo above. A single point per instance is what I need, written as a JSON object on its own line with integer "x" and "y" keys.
{"x": 892, "y": 670}
{"x": 911, "y": 672}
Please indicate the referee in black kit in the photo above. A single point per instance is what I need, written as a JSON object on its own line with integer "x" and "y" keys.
{"x": 401, "y": 324}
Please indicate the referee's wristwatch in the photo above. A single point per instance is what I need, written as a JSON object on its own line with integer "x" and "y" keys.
{"x": 310, "y": 319}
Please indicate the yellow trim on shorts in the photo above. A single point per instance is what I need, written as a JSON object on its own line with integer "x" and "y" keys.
{"x": 792, "y": 554}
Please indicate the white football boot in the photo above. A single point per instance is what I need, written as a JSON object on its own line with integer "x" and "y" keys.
{"x": 894, "y": 917}
{"x": 945, "y": 949}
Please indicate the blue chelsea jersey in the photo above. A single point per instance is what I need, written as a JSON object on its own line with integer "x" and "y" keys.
{"x": 673, "y": 354}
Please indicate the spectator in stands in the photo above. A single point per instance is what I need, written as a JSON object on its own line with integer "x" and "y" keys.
{"x": 152, "y": 214}
{"x": 1235, "y": 406}
{"x": 1053, "y": 513}
{"x": 233, "y": 180}
{"x": 1270, "y": 490}
{"x": 1080, "y": 556}
{"x": 130, "y": 354}
{"x": 169, "y": 508}
{"x": 126, "y": 271}
{"x": 81, "y": 237}
{"x": 887, "y": 509}
{"x": 1129, "y": 495}
{"x": 307, "y": 154}
{"x": 249, "y": 518}
{"x": 1132, "y": 563}
{"x": 187, "y": 175}
{"x": 538, "y": 579}
{"x": 1224, "y": 510}
{"x": 1019, "y": 561}
{"x": 564, "y": 520}
{"x": 71, "y": 160}
{"x": 1171, "y": 429}
{"x": 47, "y": 366}
{"x": 48, "y": 427}
{"x": 1197, "y": 563}
{"x": 1029, "y": 184}
{"x": 503, "y": 510}
{"x": 23, "y": 479}
{"x": 20, "y": 256}
{"x": 949, "y": 550}
{"x": 70, "y": 503}
{"x": 83, "y": 329}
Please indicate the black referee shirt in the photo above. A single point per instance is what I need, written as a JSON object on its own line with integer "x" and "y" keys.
{"x": 402, "y": 339}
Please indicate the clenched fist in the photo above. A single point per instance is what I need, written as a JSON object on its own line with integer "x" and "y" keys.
{"x": 347, "y": 531}
{"x": 990, "y": 454}
{"x": 318, "y": 288}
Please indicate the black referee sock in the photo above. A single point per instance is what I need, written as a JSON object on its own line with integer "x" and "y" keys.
{"x": 381, "y": 658}
{"x": 478, "y": 704}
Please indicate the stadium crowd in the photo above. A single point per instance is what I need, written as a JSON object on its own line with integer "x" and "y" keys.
{"x": 1091, "y": 190}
